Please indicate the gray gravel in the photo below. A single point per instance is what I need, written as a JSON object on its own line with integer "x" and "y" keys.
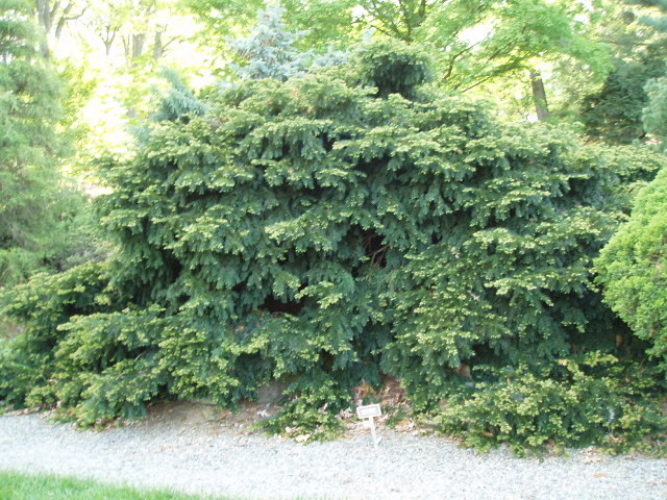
{"x": 211, "y": 458}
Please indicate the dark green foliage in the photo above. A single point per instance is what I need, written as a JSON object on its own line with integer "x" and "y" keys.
{"x": 614, "y": 114}
{"x": 321, "y": 232}
{"x": 633, "y": 269}
{"x": 589, "y": 399}
{"x": 394, "y": 68}
{"x": 312, "y": 409}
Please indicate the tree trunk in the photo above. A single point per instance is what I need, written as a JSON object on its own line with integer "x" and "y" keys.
{"x": 44, "y": 14}
{"x": 158, "y": 48}
{"x": 138, "y": 40}
{"x": 108, "y": 38}
{"x": 539, "y": 96}
{"x": 45, "y": 18}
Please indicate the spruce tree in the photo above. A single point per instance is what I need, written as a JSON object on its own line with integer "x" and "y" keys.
{"x": 269, "y": 51}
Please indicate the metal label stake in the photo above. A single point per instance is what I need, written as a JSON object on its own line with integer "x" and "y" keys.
{"x": 370, "y": 412}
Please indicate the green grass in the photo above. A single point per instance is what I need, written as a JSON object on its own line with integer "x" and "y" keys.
{"x": 17, "y": 486}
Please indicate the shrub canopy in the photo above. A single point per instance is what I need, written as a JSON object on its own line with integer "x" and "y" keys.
{"x": 633, "y": 268}
{"x": 323, "y": 231}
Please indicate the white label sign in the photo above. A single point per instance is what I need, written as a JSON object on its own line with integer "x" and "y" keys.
{"x": 369, "y": 411}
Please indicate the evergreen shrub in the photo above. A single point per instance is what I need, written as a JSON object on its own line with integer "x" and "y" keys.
{"x": 587, "y": 399}
{"x": 633, "y": 269}
{"x": 324, "y": 231}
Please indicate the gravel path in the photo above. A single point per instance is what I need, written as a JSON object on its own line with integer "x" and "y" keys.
{"x": 205, "y": 457}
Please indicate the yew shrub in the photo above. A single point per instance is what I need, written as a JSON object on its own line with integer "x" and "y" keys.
{"x": 325, "y": 231}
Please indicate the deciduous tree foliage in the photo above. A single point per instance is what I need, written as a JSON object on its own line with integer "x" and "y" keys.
{"x": 474, "y": 42}
{"x": 322, "y": 231}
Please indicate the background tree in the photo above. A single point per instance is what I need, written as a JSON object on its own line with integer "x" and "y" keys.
{"x": 269, "y": 52}
{"x": 123, "y": 47}
{"x": 272, "y": 50}
{"x": 658, "y": 22}
{"x": 655, "y": 113}
{"x": 632, "y": 266}
{"x": 614, "y": 112}
{"x": 54, "y": 15}
{"x": 36, "y": 207}
{"x": 475, "y": 43}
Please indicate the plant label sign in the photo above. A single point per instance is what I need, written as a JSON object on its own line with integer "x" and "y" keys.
{"x": 370, "y": 412}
